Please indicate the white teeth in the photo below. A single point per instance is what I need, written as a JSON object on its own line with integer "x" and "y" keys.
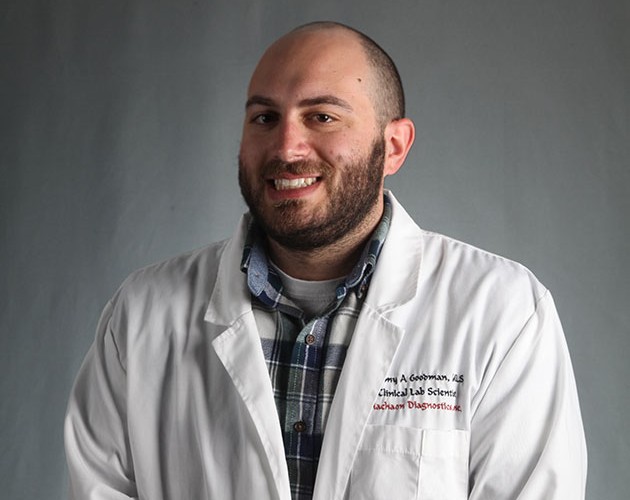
{"x": 282, "y": 184}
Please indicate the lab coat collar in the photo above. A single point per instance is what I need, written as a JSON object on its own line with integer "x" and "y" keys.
{"x": 230, "y": 297}
{"x": 395, "y": 278}
{"x": 398, "y": 264}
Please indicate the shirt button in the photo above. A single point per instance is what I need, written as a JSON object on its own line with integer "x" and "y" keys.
{"x": 299, "y": 426}
{"x": 310, "y": 339}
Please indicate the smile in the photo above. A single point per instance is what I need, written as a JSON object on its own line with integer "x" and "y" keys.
{"x": 301, "y": 182}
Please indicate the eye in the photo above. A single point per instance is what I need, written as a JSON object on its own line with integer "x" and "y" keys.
{"x": 323, "y": 118}
{"x": 264, "y": 118}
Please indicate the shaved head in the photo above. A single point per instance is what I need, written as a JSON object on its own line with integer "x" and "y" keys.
{"x": 388, "y": 94}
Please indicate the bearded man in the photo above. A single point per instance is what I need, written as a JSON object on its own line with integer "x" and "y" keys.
{"x": 330, "y": 349}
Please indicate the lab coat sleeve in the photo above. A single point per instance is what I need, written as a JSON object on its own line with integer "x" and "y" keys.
{"x": 527, "y": 438}
{"x": 97, "y": 446}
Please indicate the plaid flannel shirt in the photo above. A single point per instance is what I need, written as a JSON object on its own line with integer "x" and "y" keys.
{"x": 305, "y": 355}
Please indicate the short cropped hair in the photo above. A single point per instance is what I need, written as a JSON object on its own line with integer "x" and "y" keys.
{"x": 390, "y": 96}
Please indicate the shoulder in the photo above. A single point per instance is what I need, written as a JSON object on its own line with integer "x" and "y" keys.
{"x": 156, "y": 301}
{"x": 182, "y": 270}
{"x": 180, "y": 280}
{"x": 429, "y": 267}
{"x": 450, "y": 256}
{"x": 477, "y": 282}
{"x": 446, "y": 260}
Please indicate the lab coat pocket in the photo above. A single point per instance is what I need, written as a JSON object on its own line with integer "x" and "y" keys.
{"x": 444, "y": 465}
{"x": 387, "y": 464}
{"x": 410, "y": 464}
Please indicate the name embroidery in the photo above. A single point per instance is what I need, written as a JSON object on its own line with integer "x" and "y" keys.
{"x": 413, "y": 388}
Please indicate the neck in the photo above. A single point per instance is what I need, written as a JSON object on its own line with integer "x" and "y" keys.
{"x": 325, "y": 263}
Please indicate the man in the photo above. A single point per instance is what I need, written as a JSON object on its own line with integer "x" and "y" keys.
{"x": 330, "y": 349}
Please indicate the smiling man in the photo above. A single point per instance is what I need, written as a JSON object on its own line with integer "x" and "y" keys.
{"x": 330, "y": 349}
{"x": 316, "y": 146}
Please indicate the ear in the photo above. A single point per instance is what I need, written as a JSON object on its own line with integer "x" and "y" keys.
{"x": 399, "y": 136}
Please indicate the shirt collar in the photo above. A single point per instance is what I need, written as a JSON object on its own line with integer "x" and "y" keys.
{"x": 265, "y": 284}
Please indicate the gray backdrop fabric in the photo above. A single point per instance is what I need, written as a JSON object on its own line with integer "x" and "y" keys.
{"x": 119, "y": 128}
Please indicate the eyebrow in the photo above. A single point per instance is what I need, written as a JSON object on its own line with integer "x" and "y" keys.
{"x": 311, "y": 101}
{"x": 259, "y": 100}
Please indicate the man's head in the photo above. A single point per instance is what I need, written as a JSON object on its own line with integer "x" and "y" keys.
{"x": 323, "y": 127}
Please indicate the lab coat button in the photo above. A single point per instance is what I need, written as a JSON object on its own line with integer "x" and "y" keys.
{"x": 310, "y": 339}
{"x": 299, "y": 426}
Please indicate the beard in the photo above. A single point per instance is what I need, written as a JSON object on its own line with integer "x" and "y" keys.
{"x": 348, "y": 204}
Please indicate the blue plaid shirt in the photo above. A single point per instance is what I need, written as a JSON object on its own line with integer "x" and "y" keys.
{"x": 305, "y": 355}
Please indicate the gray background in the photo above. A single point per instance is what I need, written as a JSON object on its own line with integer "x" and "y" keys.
{"x": 120, "y": 123}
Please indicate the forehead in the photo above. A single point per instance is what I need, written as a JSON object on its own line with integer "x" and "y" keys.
{"x": 304, "y": 64}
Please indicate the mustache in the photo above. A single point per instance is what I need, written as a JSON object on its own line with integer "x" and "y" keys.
{"x": 277, "y": 167}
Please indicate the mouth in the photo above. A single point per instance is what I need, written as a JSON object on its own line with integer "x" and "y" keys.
{"x": 296, "y": 183}
{"x": 292, "y": 187}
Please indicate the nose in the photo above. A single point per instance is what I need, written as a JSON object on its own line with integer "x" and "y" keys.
{"x": 291, "y": 140}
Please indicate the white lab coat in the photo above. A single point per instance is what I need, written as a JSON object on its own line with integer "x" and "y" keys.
{"x": 457, "y": 384}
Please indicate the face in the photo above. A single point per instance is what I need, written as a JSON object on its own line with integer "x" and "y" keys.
{"x": 311, "y": 156}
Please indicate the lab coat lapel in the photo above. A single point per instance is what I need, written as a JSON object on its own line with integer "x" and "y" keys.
{"x": 238, "y": 347}
{"x": 369, "y": 357}
{"x": 375, "y": 340}
{"x": 241, "y": 353}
